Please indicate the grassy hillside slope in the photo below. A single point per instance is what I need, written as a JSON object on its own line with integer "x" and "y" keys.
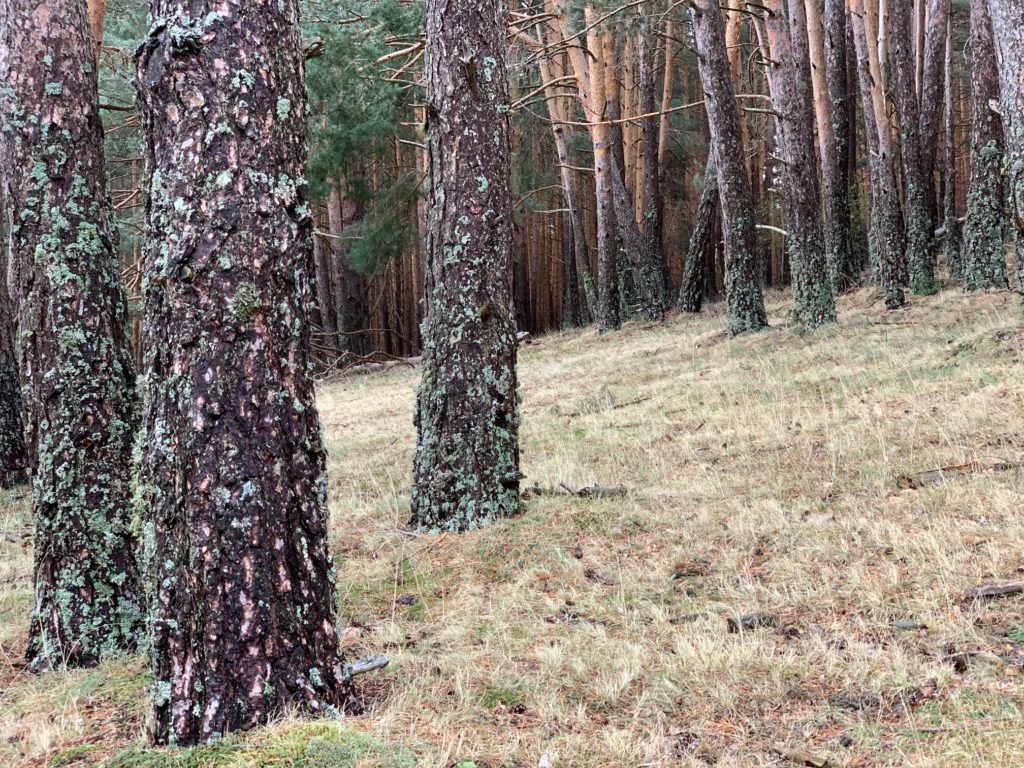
{"x": 761, "y": 477}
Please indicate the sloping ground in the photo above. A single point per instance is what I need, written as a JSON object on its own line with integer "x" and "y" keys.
{"x": 762, "y": 478}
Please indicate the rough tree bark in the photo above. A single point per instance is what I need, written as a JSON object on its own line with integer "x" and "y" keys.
{"x": 984, "y": 265}
{"x": 13, "y": 454}
{"x": 649, "y": 267}
{"x": 1009, "y": 38}
{"x": 917, "y": 187}
{"x": 744, "y": 297}
{"x": 886, "y": 225}
{"x": 790, "y": 85}
{"x": 931, "y": 79}
{"x": 837, "y": 181}
{"x": 702, "y": 242}
{"x": 951, "y": 220}
{"x": 232, "y": 479}
{"x": 78, "y": 381}
{"x": 467, "y": 453}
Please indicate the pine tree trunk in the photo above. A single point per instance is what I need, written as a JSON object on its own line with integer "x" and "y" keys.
{"x": 13, "y": 454}
{"x": 703, "y": 241}
{"x": 745, "y": 300}
{"x": 650, "y": 266}
{"x": 951, "y": 220}
{"x": 608, "y": 316}
{"x": 467, "y": 453}
{"x": 350, "y": 286}
{"x": 790, "y": 85}
{"x": 984, "y": 265}
{"x": 886, "y": 225}
{"x": 931, "y": 85}
{"x": 1009, "y": 37}
{"x": 838, "y": 180}
{"x": 324, "y": 291}
{"x": 77, "y": 376}
{"x": 917, "y": 188}
{"x": 232, "y": 478}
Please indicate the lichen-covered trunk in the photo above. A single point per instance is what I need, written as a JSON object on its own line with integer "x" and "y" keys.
{"x": 984, "y": 264}
{"x": 467, "y": 414}
{"x": 352, "y": 310}
{"x": 703, "y": 241}
{"x": 790, "y": 85}
{"x": 649, "y": 266}
{"x": 13, "y": 453}
{"x": 930, "y": 82}
{"x": 951, "y": 221}
{"x": 744, "y": 297}
{"x": 837, "y": 180}
{"x": 232, "y": 484}
{"x": 1009, "y": 37}
{"x": 917, "y": 187}
{"x": 78, "y": 381}
{"x": 886, "y": 225}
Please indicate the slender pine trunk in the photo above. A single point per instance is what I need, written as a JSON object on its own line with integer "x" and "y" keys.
{"x": 703, "y": 241}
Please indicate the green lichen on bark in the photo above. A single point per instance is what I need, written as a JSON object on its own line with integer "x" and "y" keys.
{"x": 466, "y": 468}
{"x": 75, "y": 367}
{"x": 232, "y": 490}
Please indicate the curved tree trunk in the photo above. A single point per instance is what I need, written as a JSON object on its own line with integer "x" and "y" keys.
{"x": 984, "y": 266}
{"x": 77, "y": 376}
{"x": 790, "y": 85}
{"x": 703, "y": 241}
{"x": 744, "y": 297}
{"x": 232, "y": 477}
{"x": 467, "y": 452}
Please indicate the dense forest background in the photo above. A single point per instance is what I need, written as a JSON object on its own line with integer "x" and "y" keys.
{"x": 368, "y": 158}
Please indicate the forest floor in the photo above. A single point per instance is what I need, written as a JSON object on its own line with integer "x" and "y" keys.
{"x": 762, "y": 477}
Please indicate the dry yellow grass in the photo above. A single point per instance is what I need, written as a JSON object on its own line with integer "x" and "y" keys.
{"x": 761, "y": 472}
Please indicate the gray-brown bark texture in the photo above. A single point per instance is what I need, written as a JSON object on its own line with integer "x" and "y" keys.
{"x": 349, "y": 287}
{"x": 13, "y": 453}
{"x": 984, "y": 263}
{"x": 649, "y": 268}
{"x": 886, "y": 225}
{"x": 790, "y": 84}
{"x": 702, "y": 242}
{"x": 467, "y": 414}
{"x": 744, "y": 298}
{"x": 1008, "y": 30}
{"x": 77, "y": 377}
{"x": 917, "y": 187}
{"x": 932, "y": 81}
{"x": 951, "y": 222}
{"x": 232, "y": 483}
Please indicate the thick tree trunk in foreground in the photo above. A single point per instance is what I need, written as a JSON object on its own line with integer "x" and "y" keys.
{"x": 951, "y": 221}
{"x": 917, "y": 187}
{"x": 1009, "y": 36}
{"x": 886, "y": 225}
{"x": 467, "y": 453}
{"x": 984, "y": 266}
{"x": 790, "y": 85}
{"x": 703, "y": 241}
{"x": 745, "y": 300}
{"x": 76, "y": 371}
{"x": 232, "y": 477}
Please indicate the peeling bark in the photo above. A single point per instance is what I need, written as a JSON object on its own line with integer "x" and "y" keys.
{"x": 466, "y": 471}
{"x": 78, "y": 381}
{"x": 232, "y": 481}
